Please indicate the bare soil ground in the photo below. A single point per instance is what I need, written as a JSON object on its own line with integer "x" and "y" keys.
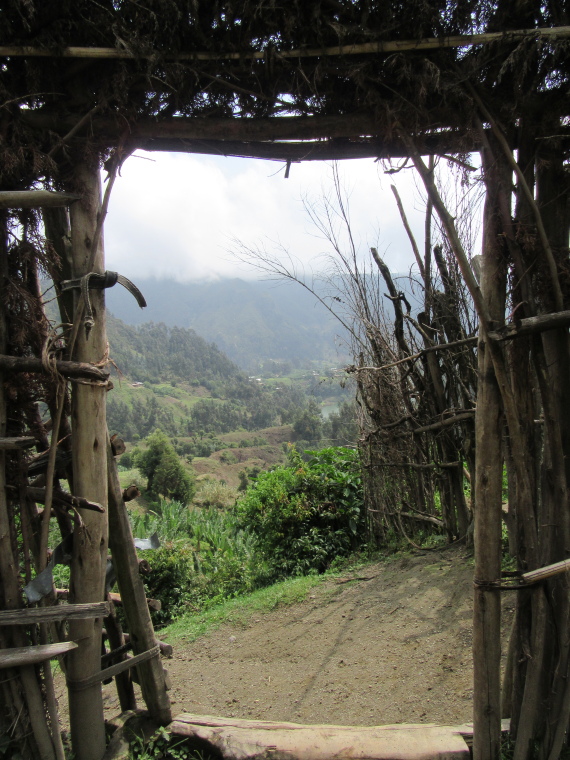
{"x": 390, "y": 643}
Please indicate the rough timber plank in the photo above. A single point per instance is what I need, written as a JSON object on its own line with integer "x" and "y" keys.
{"x": 27, "y": 616}
{"x": 16, "y": 656}
{"x": 35, "y": 199}
{"x": 236, "y": 739}
{"x": 23, "y": 442}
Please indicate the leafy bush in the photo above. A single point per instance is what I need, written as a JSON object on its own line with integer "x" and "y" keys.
{"x": 307, "y": 514}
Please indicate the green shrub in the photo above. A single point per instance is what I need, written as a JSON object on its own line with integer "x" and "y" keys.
{"x": 309, "y": 513}
{"x": 206, "y": 557}
{"x": 163, "y": 469}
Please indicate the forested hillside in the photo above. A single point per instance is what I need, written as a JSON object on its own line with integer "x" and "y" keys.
{"x": 250, "y": 321}
{"x": 171, "y": 378}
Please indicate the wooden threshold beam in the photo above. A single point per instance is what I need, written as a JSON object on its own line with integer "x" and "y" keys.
{"x": 237, "y": 739}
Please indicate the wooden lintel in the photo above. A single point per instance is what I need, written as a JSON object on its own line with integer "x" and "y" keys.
{"x": 308, "y": 138}
{"x": 65, "y": 368}
{"x": 233, "y": 739}
{"x": 16, "y": 656}
{"x": 28, "y": 616}
{"x": 540, "y": 323}
{"x": 296, "y": 152}
{"x": 35, "y": 199}
{"x": 21, "y": 442}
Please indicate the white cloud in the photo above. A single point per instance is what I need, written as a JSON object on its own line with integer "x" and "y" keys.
{"x": 175, "y": 215}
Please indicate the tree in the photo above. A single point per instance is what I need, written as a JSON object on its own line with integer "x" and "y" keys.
{"x": 165, "y": 474}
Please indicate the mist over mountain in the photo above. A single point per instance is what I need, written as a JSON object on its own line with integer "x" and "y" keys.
{"x": 251, "y": 321}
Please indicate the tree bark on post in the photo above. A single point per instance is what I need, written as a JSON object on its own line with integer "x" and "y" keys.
{"x": 90, "y": 481}
{"x": 488, "y": 484}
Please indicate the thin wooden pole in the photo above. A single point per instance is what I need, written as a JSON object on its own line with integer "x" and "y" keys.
{"x": 488, "y": 515}
{"x": 89, "y": 467}
{"x": 390, "y": 46}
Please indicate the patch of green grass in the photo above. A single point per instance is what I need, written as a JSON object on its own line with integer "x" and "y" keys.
{"x": 240, "y": 610}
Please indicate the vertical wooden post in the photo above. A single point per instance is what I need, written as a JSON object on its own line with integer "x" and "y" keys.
{"x": 89, "y": 474}
{"x": 488, "y": 515}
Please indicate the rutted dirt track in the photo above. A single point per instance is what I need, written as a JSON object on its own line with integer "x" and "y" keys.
{"x": 392, "y": 645}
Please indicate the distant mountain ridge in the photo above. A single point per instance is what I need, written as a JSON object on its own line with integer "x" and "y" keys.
{"x": 249, "y": 320}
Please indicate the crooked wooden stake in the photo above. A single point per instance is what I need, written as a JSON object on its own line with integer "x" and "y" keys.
{"x": 141, "y": 631}
{"x": 89, "y": 467}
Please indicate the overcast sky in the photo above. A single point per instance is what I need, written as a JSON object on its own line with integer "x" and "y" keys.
{"x": 175, "y": 215}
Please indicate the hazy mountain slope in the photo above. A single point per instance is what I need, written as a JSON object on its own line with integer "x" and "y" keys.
{"x": 248, "y": 320}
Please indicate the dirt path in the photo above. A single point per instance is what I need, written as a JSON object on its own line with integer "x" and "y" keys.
{"x": 391, "y": 646}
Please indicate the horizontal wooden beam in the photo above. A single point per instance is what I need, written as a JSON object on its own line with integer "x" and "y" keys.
{"x": 16, "y": 656}
{"x": 535, "y": 576}
{"x": 21, "y": 442}
{"x": 315, "y": 150}
{"x": 35, "y": 199}
{"x": 365, "y": 48}
{"x": 283, "y": 138}
{"x": 30, "y": 615}
{"x": 63, "y": 499}
{"x": 446, "y": 422}
{"x": 153, "y": 604}
{"x": 65, "y": 368}
{"x": 541, "y": 323}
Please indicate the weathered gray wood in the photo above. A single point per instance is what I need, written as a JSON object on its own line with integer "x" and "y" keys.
{"x": 235, "y": 739}
{"x": 25, "y": 616}
{"x": 65, "y": 368}
{"x": 11, "y": 444}
{"x": 35, "y": 199}
{"x": 126, "y": 563}
{"x": 89, "y": 428}
{"x": 16, "y": 656}
{"x": 540, "y": 323}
